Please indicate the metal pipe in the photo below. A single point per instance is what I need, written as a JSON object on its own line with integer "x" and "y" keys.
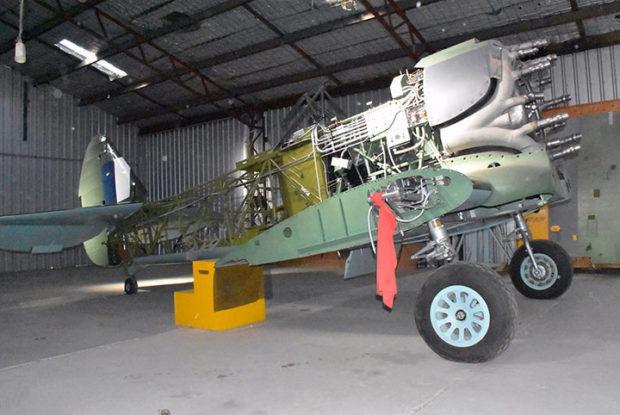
{"x": 526, "y": 70}
{"x": 524, "y": 53}
{"x": 551, "y": 121}
{"x": 556, "y": 101}
{"x": 563, "y": 141}
{"x": 567, "y": 152}
{"x": 539, "y": 43}
{"x": 523, "y": 230}
{"x": 544, "y": 81}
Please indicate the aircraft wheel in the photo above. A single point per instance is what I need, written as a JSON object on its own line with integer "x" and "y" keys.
{"x": 555, "y": 270}
{"x": 466, "y": 313}
{"x": 131, "y": 286}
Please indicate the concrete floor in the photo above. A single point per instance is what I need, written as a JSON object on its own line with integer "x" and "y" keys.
{"x": 72, "y": 343}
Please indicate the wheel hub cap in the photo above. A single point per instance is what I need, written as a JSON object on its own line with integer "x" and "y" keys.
{"x": 541, "y": 277}
{"x": 460, "y": 316}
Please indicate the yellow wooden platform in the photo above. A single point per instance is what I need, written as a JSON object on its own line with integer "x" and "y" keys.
{"x": 222, "y": 298}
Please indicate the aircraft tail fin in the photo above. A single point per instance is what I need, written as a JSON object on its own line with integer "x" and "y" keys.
{"x": 106, "y": 179}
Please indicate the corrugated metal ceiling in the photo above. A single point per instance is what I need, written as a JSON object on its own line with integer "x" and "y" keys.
{"x": 188, "y": 61}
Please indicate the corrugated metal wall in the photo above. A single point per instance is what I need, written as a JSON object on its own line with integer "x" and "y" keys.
{"x": 177, "y": 160}
{"x": 590, "y": 76}
{"x": 41, "y": 169}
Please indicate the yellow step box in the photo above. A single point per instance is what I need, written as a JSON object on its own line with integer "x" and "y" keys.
{"x": 222, "y": 298}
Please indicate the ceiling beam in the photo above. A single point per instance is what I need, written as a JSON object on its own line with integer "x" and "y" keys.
{"x": 582, "y": 30}
{"x": 278, "y": 32}
{"x": 568, "y": 47}
{"x": 285, "y": 39}
{"x": 499, "y": 31}
{"x": 206, "y": 94}
{"x": 504, "y": 30}
{"x": 589, "y": 42}
{"x": 145, "y": 37}
{"x": 275, "y": 82}
{"x": 589, "y": 12}
{"x": 408, "y": 49}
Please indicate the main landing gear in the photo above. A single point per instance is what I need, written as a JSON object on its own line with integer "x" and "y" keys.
{"x": 467, "y": 312}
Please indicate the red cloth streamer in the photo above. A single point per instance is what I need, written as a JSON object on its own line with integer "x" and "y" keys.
{"x": 386, "y": 253}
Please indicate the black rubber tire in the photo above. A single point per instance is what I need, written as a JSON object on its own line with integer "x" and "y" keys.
{"x": 495, "y": 292}
{"x": 131, "y": 286}
{"x": 555, "y": 253}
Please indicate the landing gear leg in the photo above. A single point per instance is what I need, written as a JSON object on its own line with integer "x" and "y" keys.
{"x": 131, "y": 285}
{"x": 539, "y": 269}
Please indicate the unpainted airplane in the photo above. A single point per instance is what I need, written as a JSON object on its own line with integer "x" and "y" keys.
{"x": 460, "y": 147}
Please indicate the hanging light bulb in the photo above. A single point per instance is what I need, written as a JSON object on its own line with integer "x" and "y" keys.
{"x": 20, "y": 48}
{"x": 20, "y": 51}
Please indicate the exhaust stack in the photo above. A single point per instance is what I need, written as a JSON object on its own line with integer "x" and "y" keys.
{"x": 567, "y": 152}
{"x": 563, "y": 141}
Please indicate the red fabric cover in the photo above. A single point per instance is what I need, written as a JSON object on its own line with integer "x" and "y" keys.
{"x": 386, "y": 253}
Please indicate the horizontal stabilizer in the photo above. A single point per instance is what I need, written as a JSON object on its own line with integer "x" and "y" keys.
{"x": 48, "y": 232}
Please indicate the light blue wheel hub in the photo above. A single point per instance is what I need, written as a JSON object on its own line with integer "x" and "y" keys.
{"x": 460, "y": 316}
{"x": 546, "y": 275}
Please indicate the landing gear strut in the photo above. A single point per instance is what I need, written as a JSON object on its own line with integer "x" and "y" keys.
{"x": 464, "y": 312}
{"x": 539, "y": 269}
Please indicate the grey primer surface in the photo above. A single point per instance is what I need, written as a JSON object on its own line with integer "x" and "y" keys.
{"x": 72, "y": 343}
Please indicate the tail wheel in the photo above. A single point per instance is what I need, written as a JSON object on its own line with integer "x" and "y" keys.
{"x": 552, "y": 276}
{"x": 131, "y": 286}
{"x": 466, "y": 313}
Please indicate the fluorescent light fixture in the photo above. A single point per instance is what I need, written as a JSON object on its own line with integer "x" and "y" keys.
{"x": 347, "y": 5}
{"x": 88, "y": 58}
